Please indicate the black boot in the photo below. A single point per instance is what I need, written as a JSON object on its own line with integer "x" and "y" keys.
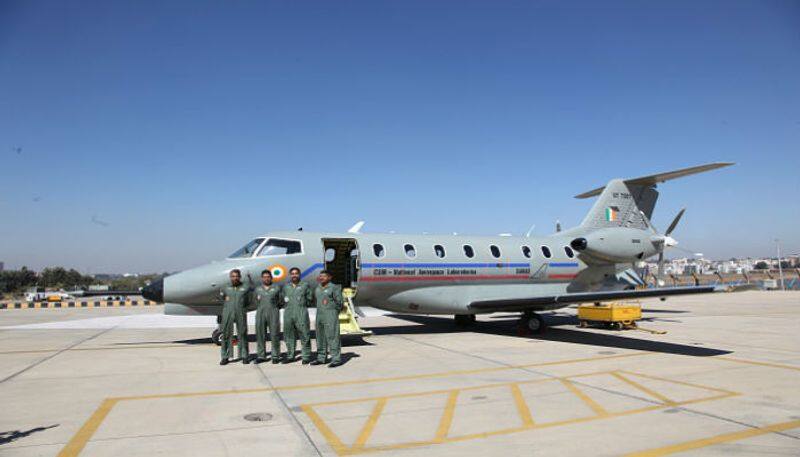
{"x": 223, "y": 362}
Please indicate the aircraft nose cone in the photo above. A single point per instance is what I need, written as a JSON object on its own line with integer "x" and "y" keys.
{"x": 154, "y": 291}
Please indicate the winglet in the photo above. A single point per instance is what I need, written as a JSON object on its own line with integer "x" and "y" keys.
{"x": 356, "y": 228}
{"x": 652, "y": 180}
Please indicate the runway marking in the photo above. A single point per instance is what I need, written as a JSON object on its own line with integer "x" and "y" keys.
{"x": 644, "y": 389}
{"x": 79, "y": 440}
{"x": 370, "y": 425}
{"x": 522, "y": 406}
{"x": 756, "y": 362}
{"x": 448, "y": 415}
{"x": 710, "y": 441}
{"x": 599, "y": 410}
{"x": 85, "y": 433}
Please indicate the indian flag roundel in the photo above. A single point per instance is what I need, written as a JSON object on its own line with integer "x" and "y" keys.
{"x": 278, "y": 272}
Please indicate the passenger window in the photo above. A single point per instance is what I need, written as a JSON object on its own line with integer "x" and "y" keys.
{"x": 330, "y": 254}
{"x": 411, "y": 251}
{"x": 546, "y": 252}
{"x": 569, "y": 252}
{"x": 526, "y": 251}
{"x": 378, "y": 250}
{"x": 281, "y": 247}
{"x": 495, "y": 251}
{"x": 468, "y": 251}
{"x": 439, "y": 251}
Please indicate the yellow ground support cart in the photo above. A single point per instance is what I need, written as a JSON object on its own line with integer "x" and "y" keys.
{"x": 348, "y": 326}
{"x": 612, "y": 315}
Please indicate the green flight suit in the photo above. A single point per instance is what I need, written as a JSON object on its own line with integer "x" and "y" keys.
{"x": 234, "y": 311}
{"x": 268, "y": 319}
{"x": 295, "y": 319}
{"x": 329, "y": 302}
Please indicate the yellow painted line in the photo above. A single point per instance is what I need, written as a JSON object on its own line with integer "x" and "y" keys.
{"x": 370, "y": 425}
{"x": 683, "y": 383}
{"x": 447, "y": 417}
{"x": 532, "y": 426}
{"x": 331, "y": 437}
{"x": 599, "y": 410}
{"x": 724, "y": 438}
{"x": 636, "y": 385}
{"x": 79, "y": 440}
{"x": 522, "y": 406}
{"x": 85, "y": 437}
{"x": 756, "y": 362}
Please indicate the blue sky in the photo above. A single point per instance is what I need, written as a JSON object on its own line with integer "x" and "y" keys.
{"x": 161, "y": 135}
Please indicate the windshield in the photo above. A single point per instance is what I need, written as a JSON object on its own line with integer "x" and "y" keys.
{"x": 281, "y": 247}
{"x": 248, "y": 249}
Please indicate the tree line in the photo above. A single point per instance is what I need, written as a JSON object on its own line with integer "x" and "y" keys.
{"x": 16, "y": 281}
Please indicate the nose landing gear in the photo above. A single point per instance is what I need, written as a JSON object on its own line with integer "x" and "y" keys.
{"x": 464, "y": 320}
{"x": 216, "y": 335}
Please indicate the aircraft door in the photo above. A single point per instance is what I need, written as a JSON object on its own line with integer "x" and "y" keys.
{"x": 342, "y": 260}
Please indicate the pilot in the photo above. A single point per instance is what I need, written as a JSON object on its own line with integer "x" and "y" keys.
{"x": 267, "y": 300}
{"x": 234, "y": 310}
{"x": 328, "y": 298}
{"x": 297, "y": 296}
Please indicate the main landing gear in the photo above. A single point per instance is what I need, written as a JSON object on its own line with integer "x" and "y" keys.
{"x": 216, "y": 335}
{"x": 531, "y": 322}
{"x": 464, "y": 320}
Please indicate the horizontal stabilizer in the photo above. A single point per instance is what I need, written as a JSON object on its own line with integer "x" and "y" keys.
{"x": 652, "y": 180}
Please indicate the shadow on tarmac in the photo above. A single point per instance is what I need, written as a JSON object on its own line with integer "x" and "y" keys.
{"x": 508, "y": 327}
{"x": 11, "y": 436}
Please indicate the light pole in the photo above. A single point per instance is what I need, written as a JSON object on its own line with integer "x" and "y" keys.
{"x": 780, "y": 268}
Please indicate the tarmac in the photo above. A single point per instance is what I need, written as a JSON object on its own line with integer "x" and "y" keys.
{"x": 723, "y": 380}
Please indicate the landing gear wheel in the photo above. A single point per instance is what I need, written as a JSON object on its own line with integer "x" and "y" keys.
{"x": 216, "y": 337}
{"x": 464, "y": 320}
{"x": 532, "y": 323}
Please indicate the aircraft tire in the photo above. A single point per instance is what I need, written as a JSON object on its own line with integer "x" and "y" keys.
{"x": 533, "y": 323}
{"x": 216, "y": 337}
{"x": 464, "y": 320}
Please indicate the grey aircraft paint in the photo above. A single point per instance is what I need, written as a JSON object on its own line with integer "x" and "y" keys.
{"x": 458, "y": 274}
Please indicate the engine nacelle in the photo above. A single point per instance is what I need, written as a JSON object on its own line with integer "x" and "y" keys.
{"x": 617, "y": 245}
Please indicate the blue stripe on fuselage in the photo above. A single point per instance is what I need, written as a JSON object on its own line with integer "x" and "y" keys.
{"x": 310, "y": 269}
{"x": 445, "y": 265}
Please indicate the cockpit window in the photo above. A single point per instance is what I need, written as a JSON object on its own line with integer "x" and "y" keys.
{"x": 281, "y": 247}
{"x": 247, "y": 250}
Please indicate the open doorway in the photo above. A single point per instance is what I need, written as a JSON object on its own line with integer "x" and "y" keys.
{"x": 342, "y": 260}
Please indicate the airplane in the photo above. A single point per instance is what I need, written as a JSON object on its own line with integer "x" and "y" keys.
{"x": 461, "y": 275}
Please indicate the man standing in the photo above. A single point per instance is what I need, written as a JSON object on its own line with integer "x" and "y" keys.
{"x": 268, "y": 318}
{"x": 297, "y": 296}
{"x": 328, "y": 298}
{"x": 234, "y": 311}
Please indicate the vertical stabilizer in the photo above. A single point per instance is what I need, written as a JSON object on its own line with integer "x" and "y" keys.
{"x": 622, "y": 201}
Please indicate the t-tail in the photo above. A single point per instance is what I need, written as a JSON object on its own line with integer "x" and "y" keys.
{"x": 630, "y": 202}
{"x": 617, "y": 229}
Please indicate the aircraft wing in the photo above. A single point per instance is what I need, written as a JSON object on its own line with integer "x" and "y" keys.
{"x": 519, "y": 304}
